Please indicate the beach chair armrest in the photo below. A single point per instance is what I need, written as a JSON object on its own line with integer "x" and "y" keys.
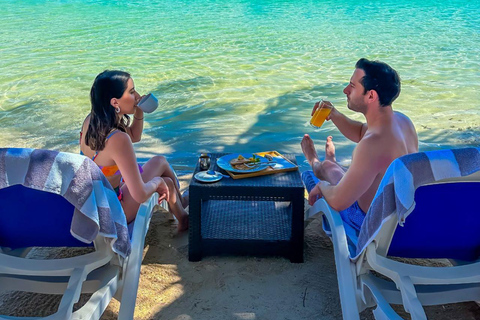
{"x": 335, "y": 222}
{"x": 132, "y": 264}
{"x": 142, "y": 220}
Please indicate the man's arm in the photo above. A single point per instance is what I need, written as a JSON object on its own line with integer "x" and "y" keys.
{"x": 358, "y": 178}
{"x": 351, "y": 129}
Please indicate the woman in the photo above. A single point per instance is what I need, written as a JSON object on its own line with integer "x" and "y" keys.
{"x": 107, "y": 138}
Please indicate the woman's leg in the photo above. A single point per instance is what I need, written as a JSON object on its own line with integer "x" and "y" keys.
{"x": 175, "y": 205}
{"x": 157, "y": 167}
{"x": 160, "y": 166}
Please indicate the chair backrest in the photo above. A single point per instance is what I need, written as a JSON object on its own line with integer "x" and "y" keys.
{"x": 30, "y": 218}
{"x": 445, "y": 222}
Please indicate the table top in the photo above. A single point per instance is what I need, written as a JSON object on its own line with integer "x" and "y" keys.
{"x": 290, "y": 179}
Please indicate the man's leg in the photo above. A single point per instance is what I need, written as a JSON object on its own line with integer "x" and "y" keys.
{"x": 327, "y": 170}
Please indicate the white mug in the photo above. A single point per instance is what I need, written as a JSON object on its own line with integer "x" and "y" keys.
{"x": 149, "y": 103}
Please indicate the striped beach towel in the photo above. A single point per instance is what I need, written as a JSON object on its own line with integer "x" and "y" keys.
{"x": 397, "y": 189}
{"x": 79, "y": 180}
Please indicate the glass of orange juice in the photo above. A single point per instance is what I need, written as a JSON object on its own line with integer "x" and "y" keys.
{"x": 322, "y": 112}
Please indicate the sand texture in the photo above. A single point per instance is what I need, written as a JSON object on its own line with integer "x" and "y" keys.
{"x": 226, "y": 287}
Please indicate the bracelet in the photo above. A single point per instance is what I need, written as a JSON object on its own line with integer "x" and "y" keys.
{"x": 138, "y": 118}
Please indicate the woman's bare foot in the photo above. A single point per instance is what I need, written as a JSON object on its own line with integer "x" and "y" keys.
{"x": 185, "y": 199}
{"x": 183, "y": 223}
{"x": 308, "y": 149}
{"x": 330, "y": 150}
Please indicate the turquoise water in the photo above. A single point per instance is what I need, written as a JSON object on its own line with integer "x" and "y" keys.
{"x": 235, "y": 75}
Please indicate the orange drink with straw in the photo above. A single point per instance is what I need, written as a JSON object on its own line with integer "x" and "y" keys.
{"x": 322, "y": 112}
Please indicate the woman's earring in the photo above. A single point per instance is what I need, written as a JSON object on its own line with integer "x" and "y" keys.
{"x": 117, "y": 109}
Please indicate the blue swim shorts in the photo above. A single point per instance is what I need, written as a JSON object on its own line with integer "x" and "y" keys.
{"x": 353, "y": 215}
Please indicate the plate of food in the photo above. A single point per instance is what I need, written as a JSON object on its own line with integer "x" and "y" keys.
{"x": 242, "y": 162}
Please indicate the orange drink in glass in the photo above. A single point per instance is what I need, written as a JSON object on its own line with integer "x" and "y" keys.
{"x": 318, "y": 118}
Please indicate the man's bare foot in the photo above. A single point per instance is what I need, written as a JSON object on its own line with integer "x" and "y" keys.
{"x": 330, "y": 150}
{"x": 183, "y": 223}
{"x": 309, "y": 151}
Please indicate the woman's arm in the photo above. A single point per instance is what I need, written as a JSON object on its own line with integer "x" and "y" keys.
{"x": 136, "y": 129}
{"x": 120, "y": 148}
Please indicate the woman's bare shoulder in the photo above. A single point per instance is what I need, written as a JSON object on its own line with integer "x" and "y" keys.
{"x": 120, "y": 148}
{"x": 119, "y": 135}
{"x": 118, "y": 139}
{"x": 86, "y": 122}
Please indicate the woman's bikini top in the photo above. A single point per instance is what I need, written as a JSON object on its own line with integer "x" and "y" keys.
{"x": 108, "y": 171}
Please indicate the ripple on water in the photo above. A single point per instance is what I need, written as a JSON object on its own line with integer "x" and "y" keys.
{"x": 240, "y": 75}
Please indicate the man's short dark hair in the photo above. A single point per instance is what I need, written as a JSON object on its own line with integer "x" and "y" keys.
{"x": 380, "y": 77}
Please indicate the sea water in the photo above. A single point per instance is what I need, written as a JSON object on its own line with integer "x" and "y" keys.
{"x": 236, "y": 75}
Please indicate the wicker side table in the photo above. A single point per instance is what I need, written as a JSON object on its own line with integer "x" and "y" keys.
{"x": 260, "y": 215}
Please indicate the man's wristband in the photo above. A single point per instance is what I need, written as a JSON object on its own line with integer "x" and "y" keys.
{"x": 137, "y": 118}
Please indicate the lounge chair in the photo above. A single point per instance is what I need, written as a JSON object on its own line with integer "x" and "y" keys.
{"x": 55, "y": 199}
{"x": 426, "y": 207}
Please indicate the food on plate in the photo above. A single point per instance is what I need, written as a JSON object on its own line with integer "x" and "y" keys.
{"x": 254, "y": 159}
{"x": 242, "y": 163}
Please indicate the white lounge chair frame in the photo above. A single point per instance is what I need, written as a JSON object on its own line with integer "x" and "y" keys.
{"x": 100, "y": 272}
{"x": 412, "y": 285}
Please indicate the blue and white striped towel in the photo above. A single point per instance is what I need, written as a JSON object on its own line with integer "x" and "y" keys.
{"x": 395, "y": 195}
{"x": 79, "y": 180}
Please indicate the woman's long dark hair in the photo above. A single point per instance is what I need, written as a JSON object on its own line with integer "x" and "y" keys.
{"x": 103, "y": 118}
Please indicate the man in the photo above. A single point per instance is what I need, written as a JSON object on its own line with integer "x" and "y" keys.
{"x": 386, "y": 136}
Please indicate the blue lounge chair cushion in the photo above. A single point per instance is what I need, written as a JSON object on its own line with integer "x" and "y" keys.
{"x": 45, "y": 219}
{"x": 436, "y": 204}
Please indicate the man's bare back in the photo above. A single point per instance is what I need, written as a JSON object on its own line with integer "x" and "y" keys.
{"x": 385, "y": 136}
{"x": 389, "y": 142}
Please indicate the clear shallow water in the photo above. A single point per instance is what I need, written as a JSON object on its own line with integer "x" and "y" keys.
{"x": 237, "y": 75}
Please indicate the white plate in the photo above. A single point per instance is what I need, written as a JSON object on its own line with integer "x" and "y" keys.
{"x": 203, "y": 176}
{"x": 224, "y": 163}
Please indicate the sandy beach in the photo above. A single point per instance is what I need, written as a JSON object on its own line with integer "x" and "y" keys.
{"x": 227, "y": 287}
{"x": 233, "y": 76}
